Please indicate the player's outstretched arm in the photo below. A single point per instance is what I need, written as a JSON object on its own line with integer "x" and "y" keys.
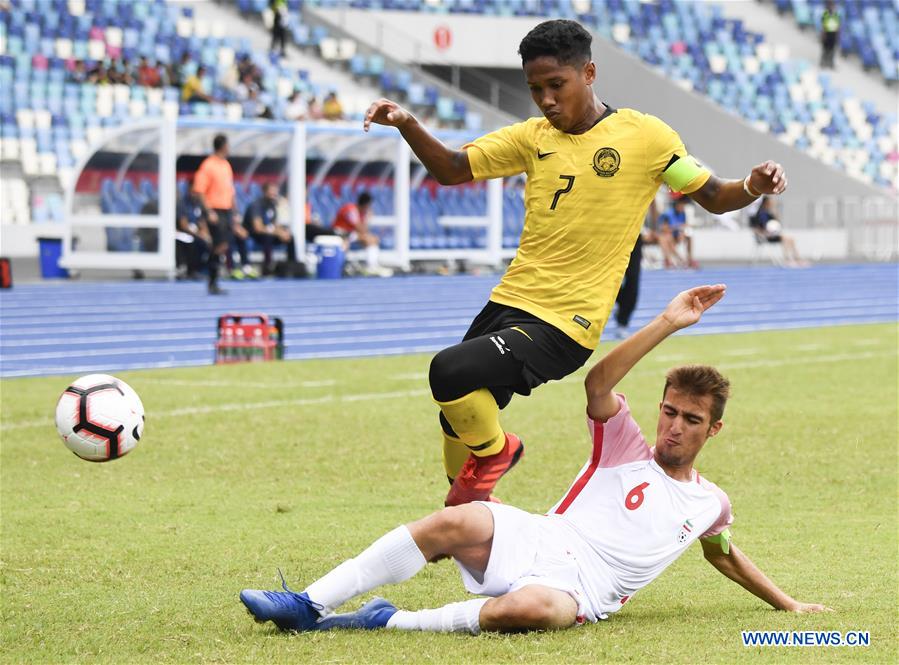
{"x": 738, "y": 567}
{"x": 719, "y": 196}
{"x": 450, "y": 167}
{"x": 684, "y": 310}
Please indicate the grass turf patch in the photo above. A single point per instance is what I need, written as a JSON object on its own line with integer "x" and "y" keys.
{"x": 302, "y": 464}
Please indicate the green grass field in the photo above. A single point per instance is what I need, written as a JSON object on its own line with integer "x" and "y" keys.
{"x": 298, "y": 465}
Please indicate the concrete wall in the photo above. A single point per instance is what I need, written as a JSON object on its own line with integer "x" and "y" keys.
{"x": 411, "y": 37}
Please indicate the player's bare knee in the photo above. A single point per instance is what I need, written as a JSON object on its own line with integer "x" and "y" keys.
{"x": 532, "y": 608}
{"x": 546, "y": 609}
{"x": 439, "y": 533}
{"x": 453, "y": 522}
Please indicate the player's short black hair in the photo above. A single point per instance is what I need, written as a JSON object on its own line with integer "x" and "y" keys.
{"x": 564, "y": 40}
{"x": 364, "y": 199}
{"x": 219, "y": 142}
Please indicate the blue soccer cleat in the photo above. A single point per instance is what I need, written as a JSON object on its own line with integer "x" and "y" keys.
{"x": 287, "y": 609}
{"x": 374, "y": 614}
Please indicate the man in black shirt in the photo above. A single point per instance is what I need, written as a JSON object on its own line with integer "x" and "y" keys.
{"x": 192, "y": 238}
{"x": 261, "y": 221}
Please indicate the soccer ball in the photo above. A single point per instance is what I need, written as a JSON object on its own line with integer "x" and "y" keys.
{"x": 100, "y": 418}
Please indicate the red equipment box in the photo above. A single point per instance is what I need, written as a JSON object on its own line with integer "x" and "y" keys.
{"x": 5, "y": 274}
{"x": 249, "y": 338}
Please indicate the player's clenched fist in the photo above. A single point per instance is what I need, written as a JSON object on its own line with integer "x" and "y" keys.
{"x": 768, "y": 178}
{"x": 385, "y": 112}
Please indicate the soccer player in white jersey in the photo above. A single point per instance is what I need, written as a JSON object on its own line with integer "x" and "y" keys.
{"x": 630, "y": 512}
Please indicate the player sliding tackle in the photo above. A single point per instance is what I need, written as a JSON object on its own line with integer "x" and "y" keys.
{"x": 592, "y": 171}
{"x": 631, "y": 511}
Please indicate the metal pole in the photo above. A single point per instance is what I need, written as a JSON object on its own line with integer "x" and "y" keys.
{"x": 401, "y": 203}
{"x": 296, "y": 188}
{"x": 495, "y": 217}
{"x": 168, "y": 191}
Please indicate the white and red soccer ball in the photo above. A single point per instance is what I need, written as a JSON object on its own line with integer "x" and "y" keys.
{"x": 100, "y": 418}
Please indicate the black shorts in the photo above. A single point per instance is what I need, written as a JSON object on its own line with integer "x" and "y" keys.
{"x": 220, "y": 231}
{"x": 546, "y": 353}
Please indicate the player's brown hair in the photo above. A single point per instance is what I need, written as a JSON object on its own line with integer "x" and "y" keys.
{"x": 697, "y": 381}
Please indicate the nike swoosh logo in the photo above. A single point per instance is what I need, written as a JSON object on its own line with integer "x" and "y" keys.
{"x": 541, "y": 155}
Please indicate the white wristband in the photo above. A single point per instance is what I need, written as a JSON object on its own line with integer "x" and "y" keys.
{"x": 748, "y": 190}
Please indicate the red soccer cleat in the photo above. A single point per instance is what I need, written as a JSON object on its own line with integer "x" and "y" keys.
{"x": 479, "y": 475}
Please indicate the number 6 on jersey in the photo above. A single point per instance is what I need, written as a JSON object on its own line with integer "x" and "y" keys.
{"x": 634, "y": 498}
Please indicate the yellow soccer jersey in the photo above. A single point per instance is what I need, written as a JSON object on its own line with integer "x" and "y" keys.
{"x": 585, "y": 201}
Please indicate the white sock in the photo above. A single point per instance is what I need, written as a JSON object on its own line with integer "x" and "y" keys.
{"x": 371, "y": 257}
{"x": 392, "y": 558}
{"x": 461, "y": 617}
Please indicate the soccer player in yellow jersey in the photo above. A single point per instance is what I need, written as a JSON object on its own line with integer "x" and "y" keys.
{"x": 592, "y": 171}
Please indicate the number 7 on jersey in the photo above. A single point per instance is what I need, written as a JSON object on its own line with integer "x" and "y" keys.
{"x": 564, "y": 190}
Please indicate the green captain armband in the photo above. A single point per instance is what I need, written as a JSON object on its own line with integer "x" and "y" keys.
{"x": 723, "y": 539}
{"x": 681, "y": 172}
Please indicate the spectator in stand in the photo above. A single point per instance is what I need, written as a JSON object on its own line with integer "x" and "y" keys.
{"x": 177, "y": 72}
{"x": 296, "y": 108}
{"x": 214, "y": 190}
{"x": 246, "y": 86}
{"x": 245, "y": 65}
{"x": 261, "y": 221}
{"x": 652, "y": 235}
{"x": 194, "y": 89}
{"x": 98, "y": 75}
{"x": 830, "y": 34}
{"x": 252, "y": 107}
{"x": 332, "y": 108}
{"x": 351, "y": 222}
{"x": 192, "y": 238}
{"x": 147, "y": 74}
{"x": 673, "y": 229}
{"x": 78, "y": 73}
{"x": 314, "y": 109}
{"x": 120, "y": 72}
{"x": 767, "y": 228}
{"x": 279, "y": 25}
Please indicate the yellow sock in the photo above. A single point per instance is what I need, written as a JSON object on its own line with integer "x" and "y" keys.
{"x": 454, "y": 455}
{"x": 475, "y": 420}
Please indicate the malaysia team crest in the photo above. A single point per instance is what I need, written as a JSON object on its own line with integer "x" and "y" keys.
{"x": 606, "y": 162}
{"x": 685, "y": 531}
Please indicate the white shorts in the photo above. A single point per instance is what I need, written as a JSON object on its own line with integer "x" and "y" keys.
{"x": 529, "y": 549}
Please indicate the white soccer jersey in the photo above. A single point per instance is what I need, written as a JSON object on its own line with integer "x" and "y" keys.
{"x": 632, "y": 519}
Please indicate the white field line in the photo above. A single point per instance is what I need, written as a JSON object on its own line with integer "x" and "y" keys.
{"x": 209, "y": 346}
{"x": 206, "y": 333}
{"x": 329, "y": 312}
{"x": 742, "y": 352}
{"x": 360, "y": 397}
{"x": 247, "y": 406}
{"x": 410, "y": 376}
{"x": 237, "y": 384}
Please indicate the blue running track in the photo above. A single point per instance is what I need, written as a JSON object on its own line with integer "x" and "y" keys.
{"x": 72, "y": 327}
